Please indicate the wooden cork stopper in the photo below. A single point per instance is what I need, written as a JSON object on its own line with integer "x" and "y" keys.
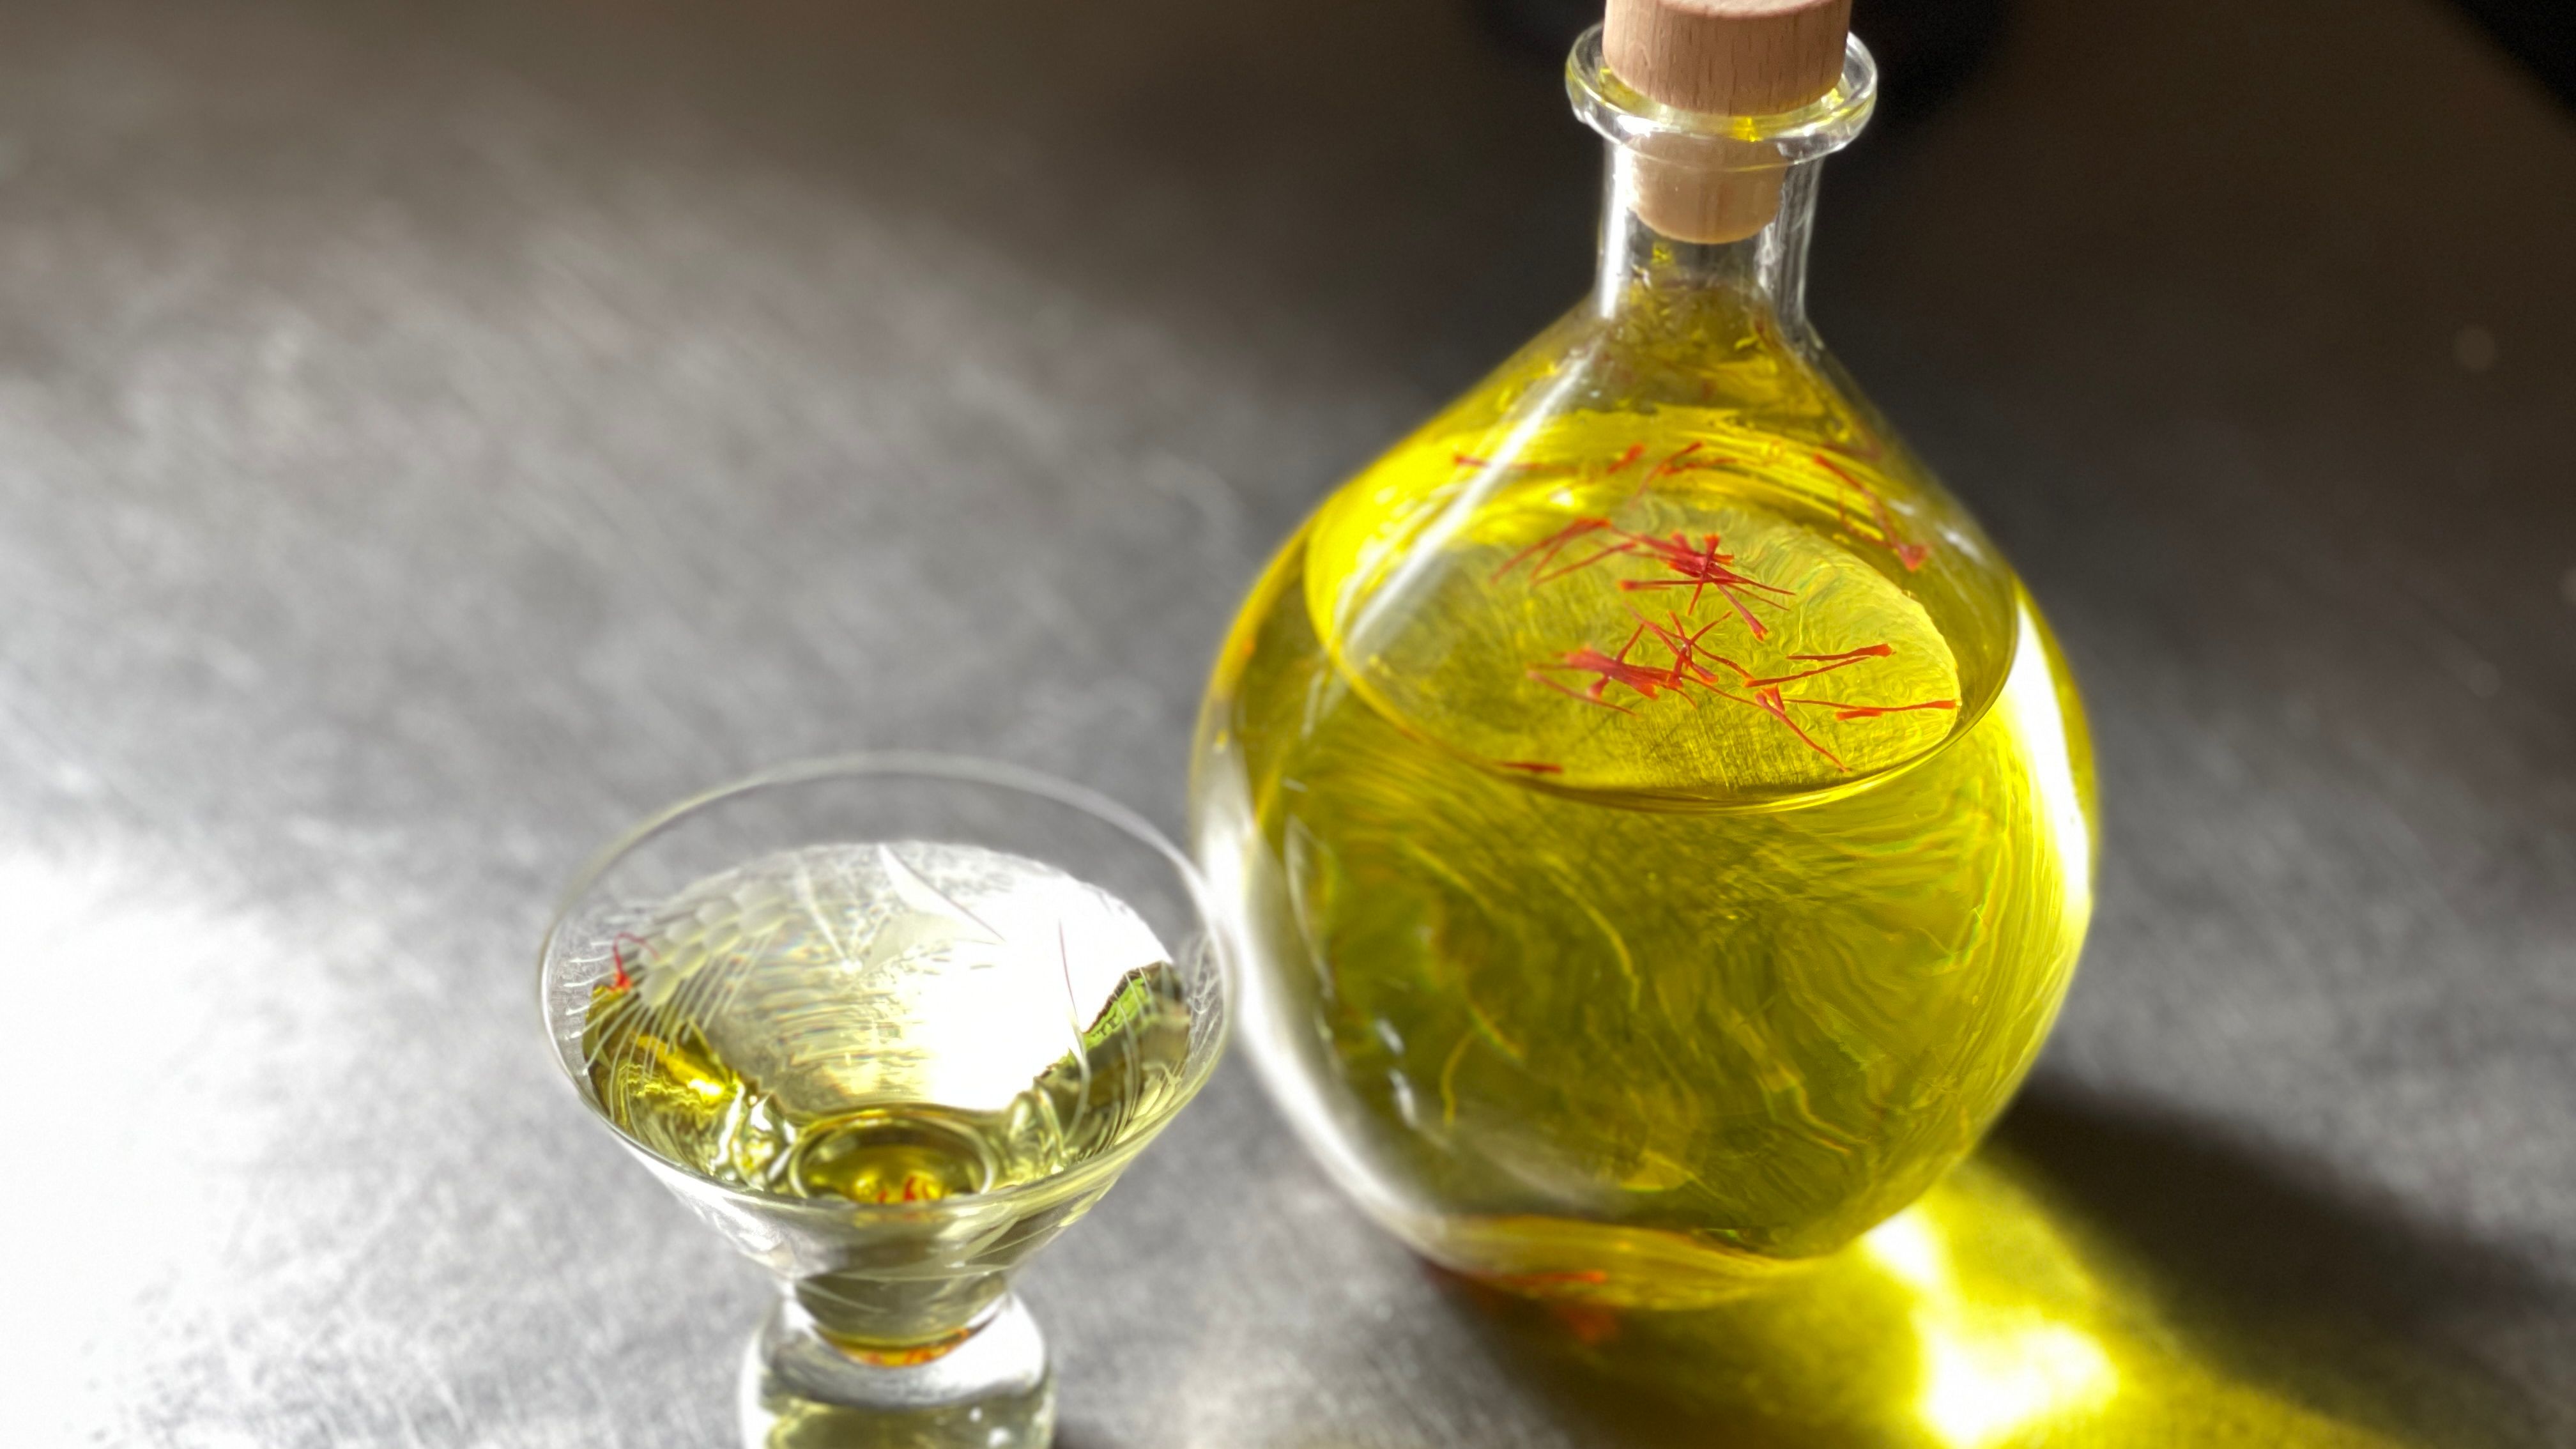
{"x": 1727, "y": 57}
{"x": 1720, "y": 57}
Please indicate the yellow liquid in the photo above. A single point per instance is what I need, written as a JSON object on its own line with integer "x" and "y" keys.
{"x": 884, "y": 1024}
{"x": 1662, "y": 834}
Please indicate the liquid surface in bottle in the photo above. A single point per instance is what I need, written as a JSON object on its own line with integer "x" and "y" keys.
{"x": 884, "y": 1023}
{"x": 1646, "y": 882}
{"x": 1635, "y": 606}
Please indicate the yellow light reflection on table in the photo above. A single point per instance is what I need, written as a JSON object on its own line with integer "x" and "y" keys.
{"x": 1985, "y": 1317}
{"x": 1989, "y": 1369}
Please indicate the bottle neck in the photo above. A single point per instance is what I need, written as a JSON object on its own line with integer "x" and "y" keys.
{"x": 1651, "y": 278}
{"x": 1705, "y": 217}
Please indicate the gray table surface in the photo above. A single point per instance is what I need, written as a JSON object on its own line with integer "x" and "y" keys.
{"x": 431, "y": 435}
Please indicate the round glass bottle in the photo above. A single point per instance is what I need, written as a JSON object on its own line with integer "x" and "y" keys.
{"x": 1657, "y": 823}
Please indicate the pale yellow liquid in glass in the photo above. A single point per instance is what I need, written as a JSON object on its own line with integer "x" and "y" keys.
{"x": 885, "y": 1023}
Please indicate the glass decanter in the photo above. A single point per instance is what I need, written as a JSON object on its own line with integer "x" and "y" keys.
{"x": 1657, "y": 824}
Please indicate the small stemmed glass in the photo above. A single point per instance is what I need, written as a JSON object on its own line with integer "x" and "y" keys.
{"x": 889, "y": 1023}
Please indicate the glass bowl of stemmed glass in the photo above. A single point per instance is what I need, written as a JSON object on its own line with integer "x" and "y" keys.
{"x": 889, "y": 1023}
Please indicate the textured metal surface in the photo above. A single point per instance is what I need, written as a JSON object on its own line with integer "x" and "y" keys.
{"x": 432, "y": 435}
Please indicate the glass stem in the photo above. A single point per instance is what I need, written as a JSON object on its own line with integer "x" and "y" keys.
{"x": 993, "y": 1390}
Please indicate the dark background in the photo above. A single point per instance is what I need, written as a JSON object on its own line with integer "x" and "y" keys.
{"x": 2541, "y": 33}
{"x": 431, "y": 435}
{"x": 1927, "y": 48}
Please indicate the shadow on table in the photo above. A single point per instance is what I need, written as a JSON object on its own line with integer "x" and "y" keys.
{"x": 2093, "y": 1276}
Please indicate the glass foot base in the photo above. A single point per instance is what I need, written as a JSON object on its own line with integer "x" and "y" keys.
{"x": 993, "y": 1391}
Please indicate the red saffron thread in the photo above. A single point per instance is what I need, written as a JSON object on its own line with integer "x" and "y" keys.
{"x": 1571, "y": 692}
{"x": 1676, "y": 464}
{"x": 1700, "y": 567}
{"x": 1672, "y": 463}
{"x": 1873, "y": 711}
{"x": 1546, "y": 549}
{"x": 1684, "y": 645}
{"x": 1769, "y": 702}
{"x": 1911, "y": 555}
{"x": 1611, "y": 669}
{"x": 1703, "y": 564}
{"x": 1866, "y": 651}
{"x": 1831, "y": 663}
{"x": 617, "y": 956}
{"x": 1470, "y": 460}
{"x": 1725, "y": 591}
{"x": 1773, "y": 705}
{"x": 1580, "y": 564}
{"x": 1703, "y": 568}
